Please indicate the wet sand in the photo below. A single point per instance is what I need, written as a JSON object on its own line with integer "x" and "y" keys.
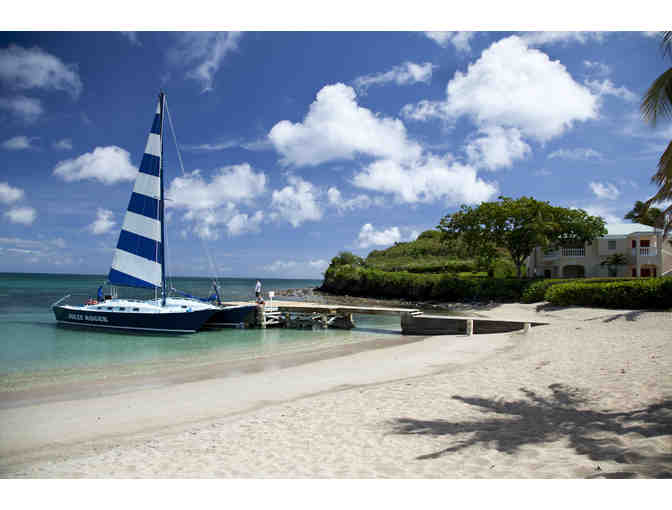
{"x": 588, "y": 395}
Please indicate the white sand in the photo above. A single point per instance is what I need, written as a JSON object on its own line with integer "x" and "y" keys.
{"x": 566, "y": 400}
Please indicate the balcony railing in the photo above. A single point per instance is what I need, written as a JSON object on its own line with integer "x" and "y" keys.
{"x": 551, "y": 254}
{"x": 645, "y": 251}
{"x": 573, "y": 252}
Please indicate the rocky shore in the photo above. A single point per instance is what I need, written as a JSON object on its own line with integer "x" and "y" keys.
{"x": 315, "y": 295}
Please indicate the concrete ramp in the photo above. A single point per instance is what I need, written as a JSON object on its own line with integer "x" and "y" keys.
{"x": 447, "y": 325}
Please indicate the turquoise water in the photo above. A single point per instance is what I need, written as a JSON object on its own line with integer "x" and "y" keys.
{"x": 34, "y": 349}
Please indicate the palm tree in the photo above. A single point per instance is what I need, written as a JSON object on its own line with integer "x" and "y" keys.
{"x": 657, "y": 102}
{"x": 645, "y": 215}
{"x": 612, "y": 261}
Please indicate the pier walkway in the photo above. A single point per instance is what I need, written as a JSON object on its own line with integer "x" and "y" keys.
{"x": 413, "y": 321}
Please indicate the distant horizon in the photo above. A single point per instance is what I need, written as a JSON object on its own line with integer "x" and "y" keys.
{"x": 168, "y": 277}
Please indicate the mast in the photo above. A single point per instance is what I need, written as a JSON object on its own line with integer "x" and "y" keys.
{"x": 162, "y": 100}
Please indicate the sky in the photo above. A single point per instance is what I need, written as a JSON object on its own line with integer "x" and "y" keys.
{"x": 297, "y": 145}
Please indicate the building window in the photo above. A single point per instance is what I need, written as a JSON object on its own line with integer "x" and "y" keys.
{"x": 611, "y": 245}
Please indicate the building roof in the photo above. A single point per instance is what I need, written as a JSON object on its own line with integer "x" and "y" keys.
{"x": 624, "y": 229}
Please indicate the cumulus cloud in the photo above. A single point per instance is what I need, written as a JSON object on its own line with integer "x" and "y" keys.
{"x": 607, "y": 88}
{"x": 296, "y": 202}
{"x": 369, "y": 236}
{"x": 25, "y": 108}
{"x": 428, "y": 179}
{"x": 203, "y": 53}
{"x": 512, "y": 85}
{"x": 240, "y": 223}
{"x": 606, "y": 191}
{"x": 424, "y": 110}
{"x": 34, "y": 68}
{"x": 103, "y": 222}
{"x": 543, "y": 38}
{"x": 9, "y": 194}
{"x": 460, "y": 40}
{"x": 18, "y": 143}
{"x": 497, "y": 147}
{"x": 404, "y": 74}
{"x": 335, "y": 127}
{"x": 108, "y": 165}
{"x": 213, "y": 203}
{"x": 63, "y": 145}
{"x": 607, "y": 213}
{"x": 336, "y": 200}
{"x": 234, "y": 183}
{"x": 597, "y": 68}
{"x": 24, "y": 215}
{"x": 206, "y": 224}
{"x": 578, "y": 153}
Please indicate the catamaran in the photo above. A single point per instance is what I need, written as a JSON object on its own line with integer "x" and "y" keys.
{"x": 139, "y": 261}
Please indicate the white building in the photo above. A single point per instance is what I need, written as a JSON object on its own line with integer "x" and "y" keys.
{"x": 645, "y": 250}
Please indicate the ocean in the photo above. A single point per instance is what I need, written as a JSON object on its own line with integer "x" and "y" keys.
{"x": 35, "y": 351}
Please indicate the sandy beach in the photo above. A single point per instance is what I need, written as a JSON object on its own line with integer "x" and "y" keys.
{"x": 587, "y": 396}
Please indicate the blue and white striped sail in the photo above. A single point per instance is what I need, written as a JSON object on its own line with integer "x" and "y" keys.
{"x": 137, "y": 258}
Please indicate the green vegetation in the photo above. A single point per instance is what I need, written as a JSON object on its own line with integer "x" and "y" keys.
{"x": 536, "y": 290}
{"x": 475, "y": 253}
{"x": 657, "y": 102}
{"x": 632, "y": 294}
{"x": 613, "y": 261}
{"x": 645, "y": 215}
{"x": 519, "y": 226}
{"x": 427, "y": 254}
{"x": 368, "y": 282}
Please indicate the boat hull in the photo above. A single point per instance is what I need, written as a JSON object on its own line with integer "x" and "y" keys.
{"x": 233, "y": 317}
{"x": 178, "y": 322}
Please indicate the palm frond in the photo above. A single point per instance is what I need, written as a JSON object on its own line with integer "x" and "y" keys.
{"x": 663, "y": 177}
{"x": 657, "y": 101}
{"x": 666, "y": 43}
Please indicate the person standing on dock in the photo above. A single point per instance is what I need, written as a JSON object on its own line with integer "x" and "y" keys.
{"x": 257, "y": 291}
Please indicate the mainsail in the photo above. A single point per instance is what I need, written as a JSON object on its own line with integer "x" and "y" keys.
{"x": 138, "y": 258}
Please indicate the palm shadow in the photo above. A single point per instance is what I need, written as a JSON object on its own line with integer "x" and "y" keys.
{"x": 565, "y": 413}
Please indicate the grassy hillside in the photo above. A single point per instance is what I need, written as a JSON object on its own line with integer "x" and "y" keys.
{"x": 427, "y": 254}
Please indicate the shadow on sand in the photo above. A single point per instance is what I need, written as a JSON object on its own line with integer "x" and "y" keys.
{"x": 565, "y": 413}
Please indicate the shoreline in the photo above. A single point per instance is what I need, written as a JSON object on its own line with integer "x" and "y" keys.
{"x": 590, "y": 390}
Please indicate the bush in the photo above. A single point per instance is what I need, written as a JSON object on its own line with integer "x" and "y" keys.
{"x": 536, "y": 291}
{"x": 630, "y": 294}
{"x": 367, "y": 282}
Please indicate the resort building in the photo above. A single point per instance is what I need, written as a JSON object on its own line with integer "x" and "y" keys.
{"x": 645, "y": 251}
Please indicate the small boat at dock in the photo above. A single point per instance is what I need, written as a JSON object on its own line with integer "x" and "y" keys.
{"x": 139, "y": 260}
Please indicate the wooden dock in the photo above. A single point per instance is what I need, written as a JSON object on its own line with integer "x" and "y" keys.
{"x": 413, "y": 321}
{"x": 304, "y": 307}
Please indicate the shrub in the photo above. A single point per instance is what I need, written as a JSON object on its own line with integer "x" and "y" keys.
{"x": 367, "y": 282}
{"x": 536, "y": 291}
{"x": 639, "y": 293}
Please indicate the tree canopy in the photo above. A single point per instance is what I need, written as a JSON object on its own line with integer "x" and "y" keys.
{"x": 519, "y": 225}
{"x": 645, "y": 215}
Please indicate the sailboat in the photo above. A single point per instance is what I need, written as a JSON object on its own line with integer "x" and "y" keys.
{"x": 139, "y": 260}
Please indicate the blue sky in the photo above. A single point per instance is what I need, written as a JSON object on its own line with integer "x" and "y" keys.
{"x": 297, "y": 145}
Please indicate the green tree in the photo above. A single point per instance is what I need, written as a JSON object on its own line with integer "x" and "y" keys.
{"x": 657, "y": 103}
{"x": 519, "y": 226}
{"x": 613, "y": 261}
{"x": 347, "y": 258}
{"x": 641, "y": 213}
